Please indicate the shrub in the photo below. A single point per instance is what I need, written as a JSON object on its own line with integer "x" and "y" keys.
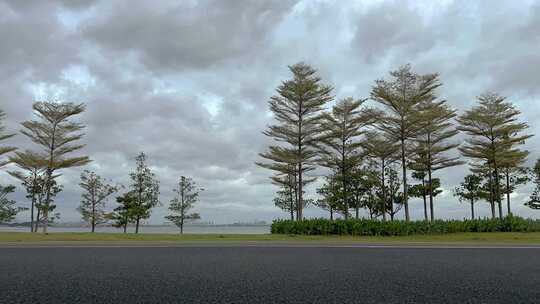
{"x": 320, "y": 226}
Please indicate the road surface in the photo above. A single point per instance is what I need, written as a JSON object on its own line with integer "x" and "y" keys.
{"x": 268, "y": 273}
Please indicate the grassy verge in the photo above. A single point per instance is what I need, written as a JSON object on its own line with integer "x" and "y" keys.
{"x": 472, "y": 237}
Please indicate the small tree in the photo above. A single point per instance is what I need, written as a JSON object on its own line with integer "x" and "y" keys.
{"x": 187, "y": 194}
{"x": 394, "y": 197}
{"x": 8, "y": 211}
{"x": 331, "y": 199}
{"x": 470, "y": 191}
{"x": 32, "y": 166}
{"x": 94, "y": 197}
{"x": 124, "y": 213}
{"x": 422, "y": 189}
{"x": 45, "y": 208}
{"x": 145, "y": 188}
{"x": 382, "y": 152}
{"x": 287, "y": 196}
{"x": 56, "y": 133}
{"x": 534, "y": 198}
{"x": 4, "y": 136}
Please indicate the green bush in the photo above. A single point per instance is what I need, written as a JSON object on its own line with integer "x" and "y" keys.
{"x": 319, "y": 226}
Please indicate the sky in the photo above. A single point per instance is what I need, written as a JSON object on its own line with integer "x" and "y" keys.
{"x": 188, "y": 82}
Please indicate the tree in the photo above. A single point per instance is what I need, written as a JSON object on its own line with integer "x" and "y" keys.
{"x": 431, "y": 141}
{"x": 96, "y": 191}
{"x": 423, "y": 189}
{"x": 361, "y": 180}
{"x": 470, "y": 191}
{"x": 331, "y": 196}
{"x": 401, "y": 97}
{"x": 494, "y": 134}
{"x": 44, "y": 211}
{"x": 57, "y": 134}
{"x": 393, "y": 197}
{"x": 534, "y": 198}
{"x": 370, "y": 184}
{"x": 286, "y": 197}
{"x": 383, "y": 152}
{"x": 31, "y": 177}
{"x": 8, "y": 211}
{"x": 4, "y": 136}
{"x": 124, "y": 213}
{"x": 297, "y": 108}
{"x": 514, "y": 174}
{"x": 145, "y": 188}
{"x": 187, "y": 194}
{"x": 340, "y": 143}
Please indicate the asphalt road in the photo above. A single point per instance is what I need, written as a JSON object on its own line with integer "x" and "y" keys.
{"x": 268, "y": 274}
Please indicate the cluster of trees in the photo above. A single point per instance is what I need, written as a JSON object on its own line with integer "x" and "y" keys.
{"x": 371, "y": 151}
{"x": 57, "y": 135}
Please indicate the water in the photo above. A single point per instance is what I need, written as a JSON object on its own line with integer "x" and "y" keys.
{"x": 210, "y": 229}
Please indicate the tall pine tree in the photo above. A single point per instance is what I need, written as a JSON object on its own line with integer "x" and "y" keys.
{"x": 341, "y": 141}
{"x": 297, "y": 107}
{"x": 494, "y": 136}
{"x": 401, "y": 96}
{"x": 57, "y": 134}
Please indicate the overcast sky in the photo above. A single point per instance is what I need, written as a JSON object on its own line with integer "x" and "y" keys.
{"x": 189, "y": 83}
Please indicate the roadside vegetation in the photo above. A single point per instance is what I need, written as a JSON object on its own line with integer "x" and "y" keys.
{"x": 365, "y": 227}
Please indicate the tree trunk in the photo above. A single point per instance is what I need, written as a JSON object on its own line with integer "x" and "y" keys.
{"x": 331, "y": 214}
{"x": 181, "y": 228}
{"x": 344, "y": 180}
{"x": 404, "y": 168}
{"x": 125, "y": 228}
{"x": 498, "y": 191}
{"x": 425, "y": 199}
{"x": 491, "y": 195}
{"x": 300, "y": 198}
{"x": 137, "y": 225}
{"x": 37, "y": 219}
{"x": 383, "y": 177}
{"x": 472, "y": 209}
{"x": 508, "y": 192}
{"x": 356, "y": 212}
{"x": 430, "y": 181}
{"x": 32, "y": 213}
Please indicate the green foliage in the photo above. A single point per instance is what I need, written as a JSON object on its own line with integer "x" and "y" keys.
{"x": 8, "y": 211}
{"x": 400, "y": 228}
{"x": 4, "y": 136}
{"x": 470, "y": 191}
{"x": 145, "y": 190}
{"x": 534, "y": 198}
{"x": 123, "y": 215}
